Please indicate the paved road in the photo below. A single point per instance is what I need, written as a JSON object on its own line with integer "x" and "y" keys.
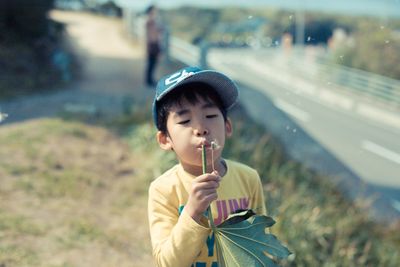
{"x": 367, "y": 147}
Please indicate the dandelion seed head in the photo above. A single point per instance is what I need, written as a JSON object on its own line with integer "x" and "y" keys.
{"x": 215, "y": 145}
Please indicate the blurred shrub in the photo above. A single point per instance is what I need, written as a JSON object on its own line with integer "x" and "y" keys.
{"x": 374, "y": 48}
{"x": 25, "y": 19}
{"x": 29, "y": 45}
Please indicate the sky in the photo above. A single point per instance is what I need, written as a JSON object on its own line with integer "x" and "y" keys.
{"x": 383, "y": 8}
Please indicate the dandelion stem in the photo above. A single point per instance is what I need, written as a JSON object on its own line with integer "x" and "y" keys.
{"x": 204, "y": 165}
{"x": 212, "y": 159}
{"x": 204, "y": 158}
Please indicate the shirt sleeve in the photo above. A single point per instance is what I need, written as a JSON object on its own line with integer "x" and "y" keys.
{"x": 259, "y": 200}
{"x": 176, "y": 239}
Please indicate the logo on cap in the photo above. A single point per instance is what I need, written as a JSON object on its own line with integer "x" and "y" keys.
{"x": 177, "y": 77}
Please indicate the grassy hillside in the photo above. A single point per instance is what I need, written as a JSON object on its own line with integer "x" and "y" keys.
{"x": 74, "y": 194}
{"x": 71, "y": 195}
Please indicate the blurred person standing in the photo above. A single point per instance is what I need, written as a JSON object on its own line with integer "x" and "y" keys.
{"x": 154, "y": 33}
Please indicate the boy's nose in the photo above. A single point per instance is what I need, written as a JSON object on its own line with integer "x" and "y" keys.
{"x": 201, "y": 132}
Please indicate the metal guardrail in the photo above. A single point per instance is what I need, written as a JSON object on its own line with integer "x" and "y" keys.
{"x": 365, "y": 83}
{"x": 184, "y": 51}
{"x": 188, "y": 53}
{"x": 350, "y": 80}
{"x": 318, "y": 70}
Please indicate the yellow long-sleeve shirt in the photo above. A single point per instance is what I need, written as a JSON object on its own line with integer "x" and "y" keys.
{"x": 179, "y": 241}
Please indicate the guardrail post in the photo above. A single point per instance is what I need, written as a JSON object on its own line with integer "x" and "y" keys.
{"x": 204, "y": 46}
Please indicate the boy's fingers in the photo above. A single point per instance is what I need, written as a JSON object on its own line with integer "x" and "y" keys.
{"x": 206, "y": 193}
{"x": 215, "y": 173}
{"x": 208, "y": 196}
{"x": 207, "y": 177}
{"x": 209, "y": 185}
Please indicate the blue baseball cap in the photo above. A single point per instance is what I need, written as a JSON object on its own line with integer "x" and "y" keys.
{"x": 222, "y": 84}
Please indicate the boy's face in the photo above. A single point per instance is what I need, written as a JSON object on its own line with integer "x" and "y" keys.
{"x": 189, "y": 127}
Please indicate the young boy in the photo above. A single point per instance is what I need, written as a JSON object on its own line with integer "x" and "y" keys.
{"x": 190, "y": 111}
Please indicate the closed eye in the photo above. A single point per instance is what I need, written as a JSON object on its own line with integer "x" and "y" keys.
{"x": 183, "y": 122}
{"x": 211, "y": 116}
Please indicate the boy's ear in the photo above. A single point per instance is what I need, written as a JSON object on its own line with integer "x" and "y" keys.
{"x": 164, "y": 141}
{"x": 228, "y": 127}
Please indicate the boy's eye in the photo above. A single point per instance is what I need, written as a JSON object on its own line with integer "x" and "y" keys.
{"x": 211, "y": 116}
{"x": 183, "y": 122}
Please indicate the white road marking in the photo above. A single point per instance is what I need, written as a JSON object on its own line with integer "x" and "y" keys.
{"x": 381, "y": 151}
{"x": 291, "y": 110}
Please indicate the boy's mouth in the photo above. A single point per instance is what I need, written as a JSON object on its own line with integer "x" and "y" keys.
{"x": 208, "y": 144}
{"x": 205, "y": 143}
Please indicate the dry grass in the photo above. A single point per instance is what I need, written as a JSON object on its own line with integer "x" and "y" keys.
{"x": 71, "y": 195}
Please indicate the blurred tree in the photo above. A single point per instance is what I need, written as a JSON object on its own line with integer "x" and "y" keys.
{"x": 110, "y": 8}
{"x": 29, "y": 43}
{"x": 375, "y": 48}
{"x": 24, "y": 19}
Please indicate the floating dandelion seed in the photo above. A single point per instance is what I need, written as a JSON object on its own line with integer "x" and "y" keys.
{"x": 387, "y": 41}
{"x": 308, "y": 38}
{"x": 3, "y": 116}
{"x": 294, "y": 130}
{"x": 250, "y": 17}
{"x": 341, "y": 57}
{"x": 382, "y": 27}
{"x": 291, "y": 17}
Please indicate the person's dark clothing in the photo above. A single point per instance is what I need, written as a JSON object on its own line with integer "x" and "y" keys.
{"x": 153, "y": 34}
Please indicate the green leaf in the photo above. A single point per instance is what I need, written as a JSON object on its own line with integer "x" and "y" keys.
{"x": 242, "y": 240}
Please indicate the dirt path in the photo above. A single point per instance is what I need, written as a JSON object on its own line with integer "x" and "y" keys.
{"x": 112, "y": 65}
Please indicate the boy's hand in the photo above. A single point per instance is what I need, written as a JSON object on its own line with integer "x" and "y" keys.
{"x": 202, "y": 193}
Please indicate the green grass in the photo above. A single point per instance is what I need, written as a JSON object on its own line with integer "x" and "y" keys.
{"x": 315, "y": 220}
{"x": 71, "y": 194}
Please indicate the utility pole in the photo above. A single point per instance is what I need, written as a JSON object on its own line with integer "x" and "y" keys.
{"x": 300, "y": 25}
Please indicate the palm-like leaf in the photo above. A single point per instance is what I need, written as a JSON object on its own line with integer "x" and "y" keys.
{"x": 242, "y": 240}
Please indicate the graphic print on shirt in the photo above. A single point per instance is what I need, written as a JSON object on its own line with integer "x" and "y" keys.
{"x": 224, "y": 209}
